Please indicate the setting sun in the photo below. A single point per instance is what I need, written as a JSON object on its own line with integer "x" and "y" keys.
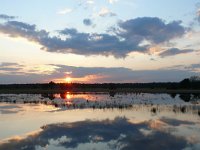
{"x": 68, "y": 80}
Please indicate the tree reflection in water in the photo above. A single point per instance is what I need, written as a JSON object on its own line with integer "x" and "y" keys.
{"x": 179, "y": 103}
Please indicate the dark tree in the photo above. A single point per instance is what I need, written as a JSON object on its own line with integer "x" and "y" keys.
{"x": 185, "y": 83}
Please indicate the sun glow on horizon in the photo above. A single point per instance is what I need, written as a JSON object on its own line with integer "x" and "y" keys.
{"x": 68, "y": 79}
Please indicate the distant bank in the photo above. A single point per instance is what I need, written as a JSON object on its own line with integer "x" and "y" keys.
{"x": 185, "y": 86}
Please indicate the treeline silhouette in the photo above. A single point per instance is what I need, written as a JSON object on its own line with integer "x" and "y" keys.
{"x": 188, "y": 83}
{"x": 66, "y": 86}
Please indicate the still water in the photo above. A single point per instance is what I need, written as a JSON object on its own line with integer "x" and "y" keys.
{"x": 99, "y": 121}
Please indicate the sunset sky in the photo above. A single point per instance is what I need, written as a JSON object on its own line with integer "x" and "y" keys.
{"x": 95, "y": 41}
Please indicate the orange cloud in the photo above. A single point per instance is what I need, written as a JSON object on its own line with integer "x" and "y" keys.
{"x": 86, "y": 79}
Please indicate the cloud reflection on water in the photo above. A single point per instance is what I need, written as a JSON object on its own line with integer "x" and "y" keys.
{"x": 110, "y": 134}
{"x": 9, "y": 109}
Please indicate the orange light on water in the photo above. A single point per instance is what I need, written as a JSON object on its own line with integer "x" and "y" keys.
{"x": 68, "y": 103}
{"x": 68, "y": 96}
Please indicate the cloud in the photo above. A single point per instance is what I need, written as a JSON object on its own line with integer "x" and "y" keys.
{"x": 6, "y": 17}
{"x": 112, "y": 1}
{"x": 175, "y": 51}
{"x": 65, "y": 11}
{"x": 97, "y": 75}
{"x": 104, "y": 12}
{"x": 87, "y": 22}
{"x": 198, "y": 15}
{"x": 152, "y": 29}
{"x": 21, "y": 29}
{"x": 90, "y": 1}
{"x": 9, "y": 67}
{"x": 6, "y": 64}
{"x": 125, "y": 39}
{"x": 193, "y": 67}
{"x": 92, "y": 44}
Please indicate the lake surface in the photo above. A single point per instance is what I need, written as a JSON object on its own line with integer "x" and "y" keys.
{"x": 99, "y": 121}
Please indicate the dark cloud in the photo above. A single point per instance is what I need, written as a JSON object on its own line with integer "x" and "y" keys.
{"x": 198, "y": 15}
{"x": 20, "y": 29}
{"x": 153, "y": 59}
{"x": 110, "y": 14}
{"x": 6, "y": 17}
{"x": 193, "y": 67}
{"x": 121, "y": 74}
{"x": 152, "y": 29}
{"x": 7, "y": 66}
{"x": 88, "y": 44}
{"x": 115, "y": 134}
{"x": 175, "y": 51}
{"x": 87, "y": 22}
{"x": 131, "y": 34}
{"x": 96, "y": 44}
{"x": 9, "y": 69}
{"x": 23, "y": 78}
{"x": 100, "y": 75}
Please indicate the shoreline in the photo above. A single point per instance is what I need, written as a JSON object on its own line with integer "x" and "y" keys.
{"x": 98, "y": 91}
